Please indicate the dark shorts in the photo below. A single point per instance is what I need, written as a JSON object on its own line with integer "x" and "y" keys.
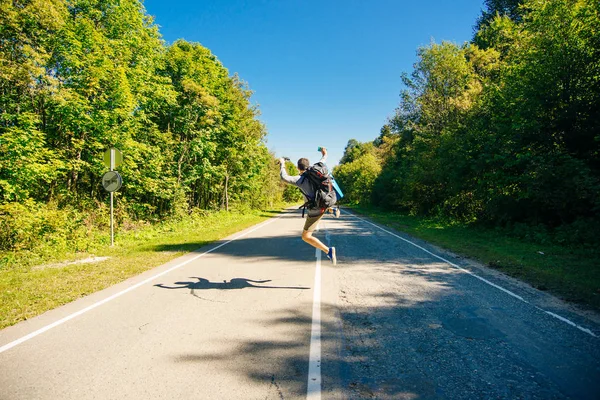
{"x": 311, "y": 222}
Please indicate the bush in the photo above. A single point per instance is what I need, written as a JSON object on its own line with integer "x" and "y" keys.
{"x": 357, "y": 178}
{"x": 582, "y": 232}
{"x": 27, "y": 225}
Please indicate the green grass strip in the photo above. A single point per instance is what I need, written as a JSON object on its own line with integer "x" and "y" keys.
{"x": 27, "y": 289}
{"x": 570, "y": 273}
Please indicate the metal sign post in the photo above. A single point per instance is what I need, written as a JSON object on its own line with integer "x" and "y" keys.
{"x": 112, "y": 219}
{"x": 112, "y": 182}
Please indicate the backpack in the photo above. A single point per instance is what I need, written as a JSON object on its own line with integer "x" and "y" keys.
{"x": 321, "y": 182}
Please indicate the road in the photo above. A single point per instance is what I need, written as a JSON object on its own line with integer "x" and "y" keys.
{"x": 259, "y": 315}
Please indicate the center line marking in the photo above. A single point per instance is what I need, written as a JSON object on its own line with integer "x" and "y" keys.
{"x": 314, "y": 363}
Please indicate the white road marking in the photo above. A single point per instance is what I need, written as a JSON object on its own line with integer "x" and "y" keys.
{"x": 569, "y": 322}
{"x": 314, "y": 363}
{"x": 478, "y": 277}
{"x": 129, "y": 289}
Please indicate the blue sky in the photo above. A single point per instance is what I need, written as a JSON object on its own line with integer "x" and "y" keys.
{"x": 322, "y": 72}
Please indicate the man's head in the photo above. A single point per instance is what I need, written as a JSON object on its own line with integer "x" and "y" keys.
{"x": 303, "y": 164}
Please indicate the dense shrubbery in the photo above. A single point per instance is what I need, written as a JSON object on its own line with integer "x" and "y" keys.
{"x": 504, "y": 130}
{"x": 29, "y": 225}
{"x": 80, "y": 76}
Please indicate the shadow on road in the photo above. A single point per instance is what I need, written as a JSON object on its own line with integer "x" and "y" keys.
{"x": 235, "y": 283}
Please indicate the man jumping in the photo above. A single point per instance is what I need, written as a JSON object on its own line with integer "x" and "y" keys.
{"x": 314, "y": 214}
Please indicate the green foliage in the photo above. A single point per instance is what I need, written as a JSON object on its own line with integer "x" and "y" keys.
{"x": 504, "y": 8}
{"x": 26, "y": 164}
{"x": 503, "y": 130}
{"x": 357, "y": 176}
{"x": 80, "y": 76}
{"x": 31, "y": 226}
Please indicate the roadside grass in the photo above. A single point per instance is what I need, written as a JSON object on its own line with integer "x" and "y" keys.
{"x": 568, "y": 272}
{"x": 33, "y": 282}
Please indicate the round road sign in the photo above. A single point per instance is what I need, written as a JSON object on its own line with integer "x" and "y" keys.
{"x": 112, "y": 181}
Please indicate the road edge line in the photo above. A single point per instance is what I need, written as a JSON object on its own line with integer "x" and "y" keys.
{"x": 560, "y": 318}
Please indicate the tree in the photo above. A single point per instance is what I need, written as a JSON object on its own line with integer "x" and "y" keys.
{"x": 358, "y": 175}
{"x": 80, "y": 76}
{"x": 495, "y": 8}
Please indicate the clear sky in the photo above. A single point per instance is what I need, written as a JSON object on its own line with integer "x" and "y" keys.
{"x": 322, "y": 71}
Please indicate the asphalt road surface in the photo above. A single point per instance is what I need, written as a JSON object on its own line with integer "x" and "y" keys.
{"x": 261, "y": 315}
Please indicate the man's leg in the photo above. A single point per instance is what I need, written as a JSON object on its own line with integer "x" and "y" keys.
{"x": 308, "y": 237}
{"x": 307, "y": 234}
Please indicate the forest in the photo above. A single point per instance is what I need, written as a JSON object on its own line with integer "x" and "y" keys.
{"x": 80, "y": 76}
{"x": 502, "y": 131}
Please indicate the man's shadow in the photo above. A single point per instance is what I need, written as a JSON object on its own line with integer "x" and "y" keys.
{"x": 235, "y": 283}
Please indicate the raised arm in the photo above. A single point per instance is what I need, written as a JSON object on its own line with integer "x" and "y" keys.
{"x": 284, "y": 175}
{"x": 324, "y": 153}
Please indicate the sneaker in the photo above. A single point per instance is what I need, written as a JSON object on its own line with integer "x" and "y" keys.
{"x": 331, "y": 255}
{"x": 336, "y": 213}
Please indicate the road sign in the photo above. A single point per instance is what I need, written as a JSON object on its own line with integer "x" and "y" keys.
{"x": 113, "y": 158}
{"x": 112, "y": 181}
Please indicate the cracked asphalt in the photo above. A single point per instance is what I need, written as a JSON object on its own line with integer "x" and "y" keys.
{"x": 235, "y": 323}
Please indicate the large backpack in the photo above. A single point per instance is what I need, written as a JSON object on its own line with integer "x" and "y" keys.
{"x": 320, "y": 180}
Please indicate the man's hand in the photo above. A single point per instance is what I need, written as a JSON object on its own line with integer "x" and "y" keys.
{"x": 323, "y": 151}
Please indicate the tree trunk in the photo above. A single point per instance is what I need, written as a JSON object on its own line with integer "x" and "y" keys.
{"x": 180, "y": 163}
{"x": 226, "y": 193}
{"x": 75, "y": 175}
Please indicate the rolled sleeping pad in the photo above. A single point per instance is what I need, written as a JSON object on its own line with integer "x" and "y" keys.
{"x": 337, "y": 189}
